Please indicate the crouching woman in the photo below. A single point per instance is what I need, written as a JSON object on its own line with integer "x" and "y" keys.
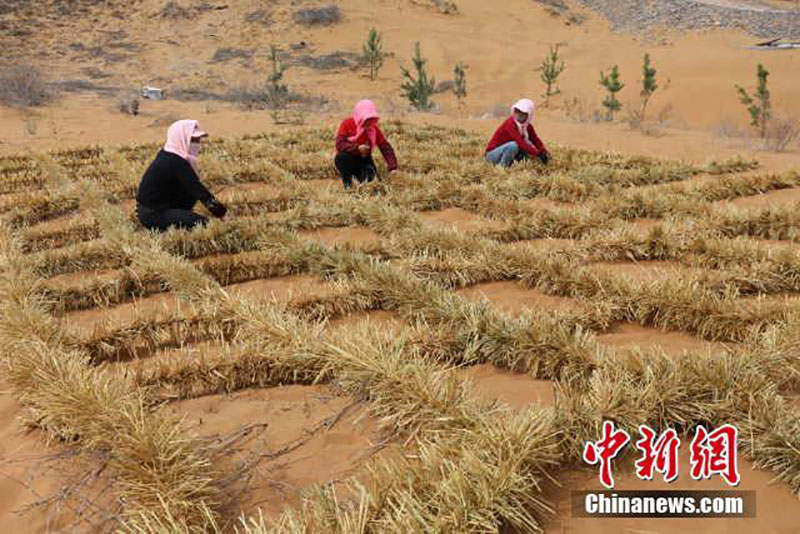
{"x": 171, "y": 187}
{"x": 356, "y": 138}
{"x": 515, "y": 139}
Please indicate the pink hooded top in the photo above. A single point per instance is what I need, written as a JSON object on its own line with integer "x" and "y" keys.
{"x": 353, "y": 133}
{"x": 365, "y": 110}
{"x": 179, "y": 139}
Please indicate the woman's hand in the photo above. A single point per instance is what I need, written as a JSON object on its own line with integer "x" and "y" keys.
{"x": 364, "y": 150}
{"x": 216, "y": 208}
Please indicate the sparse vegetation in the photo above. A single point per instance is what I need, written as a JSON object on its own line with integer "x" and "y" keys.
{"x": 22, "y": 86}
{"x": 333, "y": 61}
{"x": 460, "y": 82}
{"x": 613, "y": 85}
{"x": 782, "y": 133}
{"x": 577, "y": 109}
{"x": 318, "y": 16}
{"x": 259, "y": 16}
{"x": 174, "y": 10}
{"x": 226, "y": 54}
{"x": 129, "y": 107}
{"x": 559, "y": 8}
{"x": 373, "y": 53}
{"x": 272, "y": 95}
{"x": 418, "y": 87}
{"x": 551, "y": 68}
{"x": 447, "y": 7}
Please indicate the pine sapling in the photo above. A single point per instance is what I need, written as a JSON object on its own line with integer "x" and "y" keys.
{"x": 278, "y": 90}
{"x": 419, "y": 89}
{"x": 649, "y": 85}
{"x": 373, "y": 53}
{"x": 460, "y": 87}
{"x": 551, "y": 67}
{"x": 760, "y": 112}
{"x": 613, "y": 85}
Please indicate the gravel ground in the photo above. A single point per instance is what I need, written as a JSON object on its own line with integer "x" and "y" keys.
{"x": 644, "y": 16}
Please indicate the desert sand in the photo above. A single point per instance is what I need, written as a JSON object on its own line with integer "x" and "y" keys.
{"x": 298, "y": 436}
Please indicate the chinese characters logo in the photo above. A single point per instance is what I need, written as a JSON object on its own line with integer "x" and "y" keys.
{"x": 711, "y": 453}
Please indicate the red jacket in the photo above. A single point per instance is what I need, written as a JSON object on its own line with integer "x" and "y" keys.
{"x": 508, "y": 131}
{"x": 348, "y": 129}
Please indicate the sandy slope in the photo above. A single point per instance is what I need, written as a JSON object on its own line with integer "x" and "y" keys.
{"x": 502, "y": 48}
{"x": 501, "y": 42}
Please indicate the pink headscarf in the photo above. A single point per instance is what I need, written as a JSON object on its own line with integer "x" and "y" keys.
{"x": 179, "y": 139}
{"x": 525, "y": 106}
{"x": 365, "y": 109}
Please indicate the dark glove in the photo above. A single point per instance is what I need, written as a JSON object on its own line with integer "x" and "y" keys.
{"x": 216, "y": 208}
{"x": 544, "y": 157}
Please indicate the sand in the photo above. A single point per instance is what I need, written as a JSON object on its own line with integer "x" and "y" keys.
{"x": 283, "y": 288}
{"x": 454, "y": 218}
{"x": 772, "y": 199}
{"x": 300, "y": 436}
{"x": 513, "y": 297}
{"x": 237, "y": 190}
{"x": 334, "y": 236}
{"x": 512, "y": 389}
{"x": 32, "y": 472}
{"x": 81, "y": 279}
{"x": 628, "y": 336}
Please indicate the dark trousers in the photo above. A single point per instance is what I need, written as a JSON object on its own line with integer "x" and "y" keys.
{"x": 349, "y": 166}
{"x": 164, "y": 219}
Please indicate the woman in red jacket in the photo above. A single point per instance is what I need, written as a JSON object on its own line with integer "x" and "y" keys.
{"x": 516, "y": 139}
{"x": 357, "y": 136}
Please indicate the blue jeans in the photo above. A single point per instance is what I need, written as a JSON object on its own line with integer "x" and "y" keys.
{"x": 505, "y": 155}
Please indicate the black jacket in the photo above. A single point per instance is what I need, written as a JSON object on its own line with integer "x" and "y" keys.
{"x": 170, "y": 182}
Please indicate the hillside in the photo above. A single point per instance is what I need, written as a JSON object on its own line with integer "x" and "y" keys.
{"x": 430, "y": 352}
{"x": 101, "y": 54}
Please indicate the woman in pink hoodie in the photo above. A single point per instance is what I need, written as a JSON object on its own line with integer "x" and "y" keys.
{"x": 170, "y": 186}
{"x": 356, "y": 138}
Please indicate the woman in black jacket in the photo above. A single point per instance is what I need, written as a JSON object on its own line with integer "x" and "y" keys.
{"x": 170, "y": 186}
